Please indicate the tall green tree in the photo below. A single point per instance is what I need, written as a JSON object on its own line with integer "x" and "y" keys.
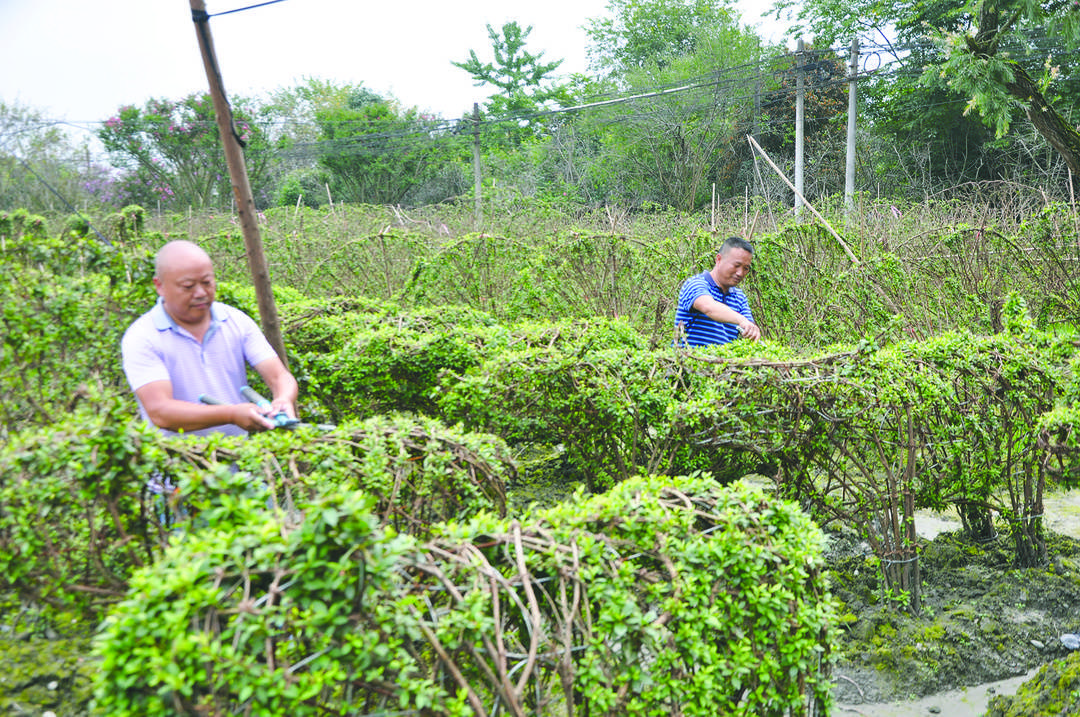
{"x": 987, "y": 60}
{"x": 524, "y": 86}
{"x": 690, "y": 68}
{"x": 377, "y": 152}
{"x": 295, "y": 134}
{"x": 923, "y": 138}
{"x": 640, "y": 34}
{"x": 1000, "y": 84}
{"x": 170, "y": 153}
{"x": 523, "y": 80}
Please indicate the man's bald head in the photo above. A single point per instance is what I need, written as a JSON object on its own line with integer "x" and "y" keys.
{"x": 178, "y": 253}
{"x": 184, "y": 279}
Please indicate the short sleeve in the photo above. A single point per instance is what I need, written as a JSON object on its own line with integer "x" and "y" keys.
{"x": 141, "y": 360}
{"x": 255, "y": 345}
{"x": 692, "y": 289}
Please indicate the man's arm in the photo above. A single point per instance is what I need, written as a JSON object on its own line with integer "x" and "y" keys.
{"x": 718, "y": 311}
{"x": 283, "y": 387}
{"x": 176, "y": 415}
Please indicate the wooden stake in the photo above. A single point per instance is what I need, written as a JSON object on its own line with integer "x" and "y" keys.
{"x": 245, "y": 203}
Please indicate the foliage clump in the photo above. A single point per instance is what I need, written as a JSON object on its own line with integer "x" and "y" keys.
{"x": 664, "y": 595}
{"x": 1053, "y": 691}
{"x": 78, "y": 517}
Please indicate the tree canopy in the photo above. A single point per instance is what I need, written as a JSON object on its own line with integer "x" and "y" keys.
{"x": 674, "y": 87}
{"x": 170, "y": 152}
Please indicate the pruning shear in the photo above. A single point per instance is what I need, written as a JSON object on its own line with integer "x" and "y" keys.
{"x": 281, "y": 419}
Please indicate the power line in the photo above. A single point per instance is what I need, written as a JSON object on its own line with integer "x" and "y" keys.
{"x": 770, "y": 79}
{"x": 242, "y": 9}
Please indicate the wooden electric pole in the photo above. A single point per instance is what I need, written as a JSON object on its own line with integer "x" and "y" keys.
{"x": 245, "y": 203}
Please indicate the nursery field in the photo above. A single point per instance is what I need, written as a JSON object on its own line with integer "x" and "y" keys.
{"x": 524, "y": 499}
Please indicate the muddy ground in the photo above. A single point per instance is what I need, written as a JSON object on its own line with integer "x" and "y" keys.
{"x": 984, "y": 630}
{"x": 985, "y": 626}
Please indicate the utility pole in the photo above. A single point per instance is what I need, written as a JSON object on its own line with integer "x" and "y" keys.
{"x": 849, "y": 173}
{"x": 800, "y": 131}
{"x": 477, "y": 182}
{"x": 245, "y": 203}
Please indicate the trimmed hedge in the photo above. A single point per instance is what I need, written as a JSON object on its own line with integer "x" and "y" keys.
{"x": 76, "y": 517}
{"x": 664, "y": 596}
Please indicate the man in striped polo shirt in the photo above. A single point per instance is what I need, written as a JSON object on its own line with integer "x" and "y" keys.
{"x": 189, "y": 345}
{"x": 712, "y": 310}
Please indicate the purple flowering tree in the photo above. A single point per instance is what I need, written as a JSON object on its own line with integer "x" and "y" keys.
{"x": 169, "y": 153}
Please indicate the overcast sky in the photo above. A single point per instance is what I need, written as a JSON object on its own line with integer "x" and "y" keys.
{"x": 79, "y": 61}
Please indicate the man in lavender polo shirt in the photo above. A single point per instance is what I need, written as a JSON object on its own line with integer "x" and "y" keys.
{"x": 189, "y": 345}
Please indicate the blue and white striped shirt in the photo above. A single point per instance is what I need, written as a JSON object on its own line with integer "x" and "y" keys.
{"x": 699, "y": 329}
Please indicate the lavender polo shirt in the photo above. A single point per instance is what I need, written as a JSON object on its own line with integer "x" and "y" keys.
{"x": 156, "y": 348}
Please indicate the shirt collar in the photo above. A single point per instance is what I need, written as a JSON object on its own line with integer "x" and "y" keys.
{"x": 712, "y": 281}
{"x": 164, "y": 322}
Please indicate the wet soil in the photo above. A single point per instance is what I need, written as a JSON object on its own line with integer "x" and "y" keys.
{"x": 985, "y": 627}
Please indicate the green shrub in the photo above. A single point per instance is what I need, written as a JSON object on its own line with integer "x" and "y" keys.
{"x": 77, "y": 226}
{"x": 869, "y": 435}
{"x": 58, "y": 341}
{"x": 386, "y": 368}
{"x": 1052, "y": 692}
{"x": 665, "y": 596}
{"x": 76, "y": 517}
{"x": 372, "y": 358}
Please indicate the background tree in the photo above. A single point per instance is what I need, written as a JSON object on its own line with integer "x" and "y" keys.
{"x": 524, "y": 85}
{"x": 170, "y": 153}
{"x": 522, "y": 78}
{"x": 644, "y": 34}
{"x": 37, "y": 153}
{"x": 379, "y": 153}
{"x": 982, "y": 62}
{"x": 957, "y": 74}
{"x": 295, "y": 134}
{"x": 691, "y": 65}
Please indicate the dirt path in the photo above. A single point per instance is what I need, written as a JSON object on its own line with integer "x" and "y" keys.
{"x": 1062, "y": 512}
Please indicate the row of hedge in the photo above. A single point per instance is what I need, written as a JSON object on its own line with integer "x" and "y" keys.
{"x": 77, "y": 516}
{"x": 865, "y": 434}
{"x": 614, "y": 406}
{"x": 367, "y": 569}
{"x": 663, "y": 596}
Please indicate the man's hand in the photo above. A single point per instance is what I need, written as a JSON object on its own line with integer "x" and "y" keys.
{"x": 251, "y": 418}
{"x": 749, "y": 330}
{"x": 282, "y": 385}
{"x": 282, "y": 405}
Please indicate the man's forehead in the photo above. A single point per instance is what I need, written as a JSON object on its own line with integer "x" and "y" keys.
{"x": 195, "y": 270}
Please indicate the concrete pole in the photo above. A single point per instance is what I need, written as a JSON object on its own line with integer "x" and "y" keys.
{"x": 245, "y": 203}
{"x": 849, "y": 173}
{"x": 477, "y": 179}
{"x": 800, "y": 123}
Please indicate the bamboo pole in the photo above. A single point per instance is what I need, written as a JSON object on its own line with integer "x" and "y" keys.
{"x": 847, "y": 250}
